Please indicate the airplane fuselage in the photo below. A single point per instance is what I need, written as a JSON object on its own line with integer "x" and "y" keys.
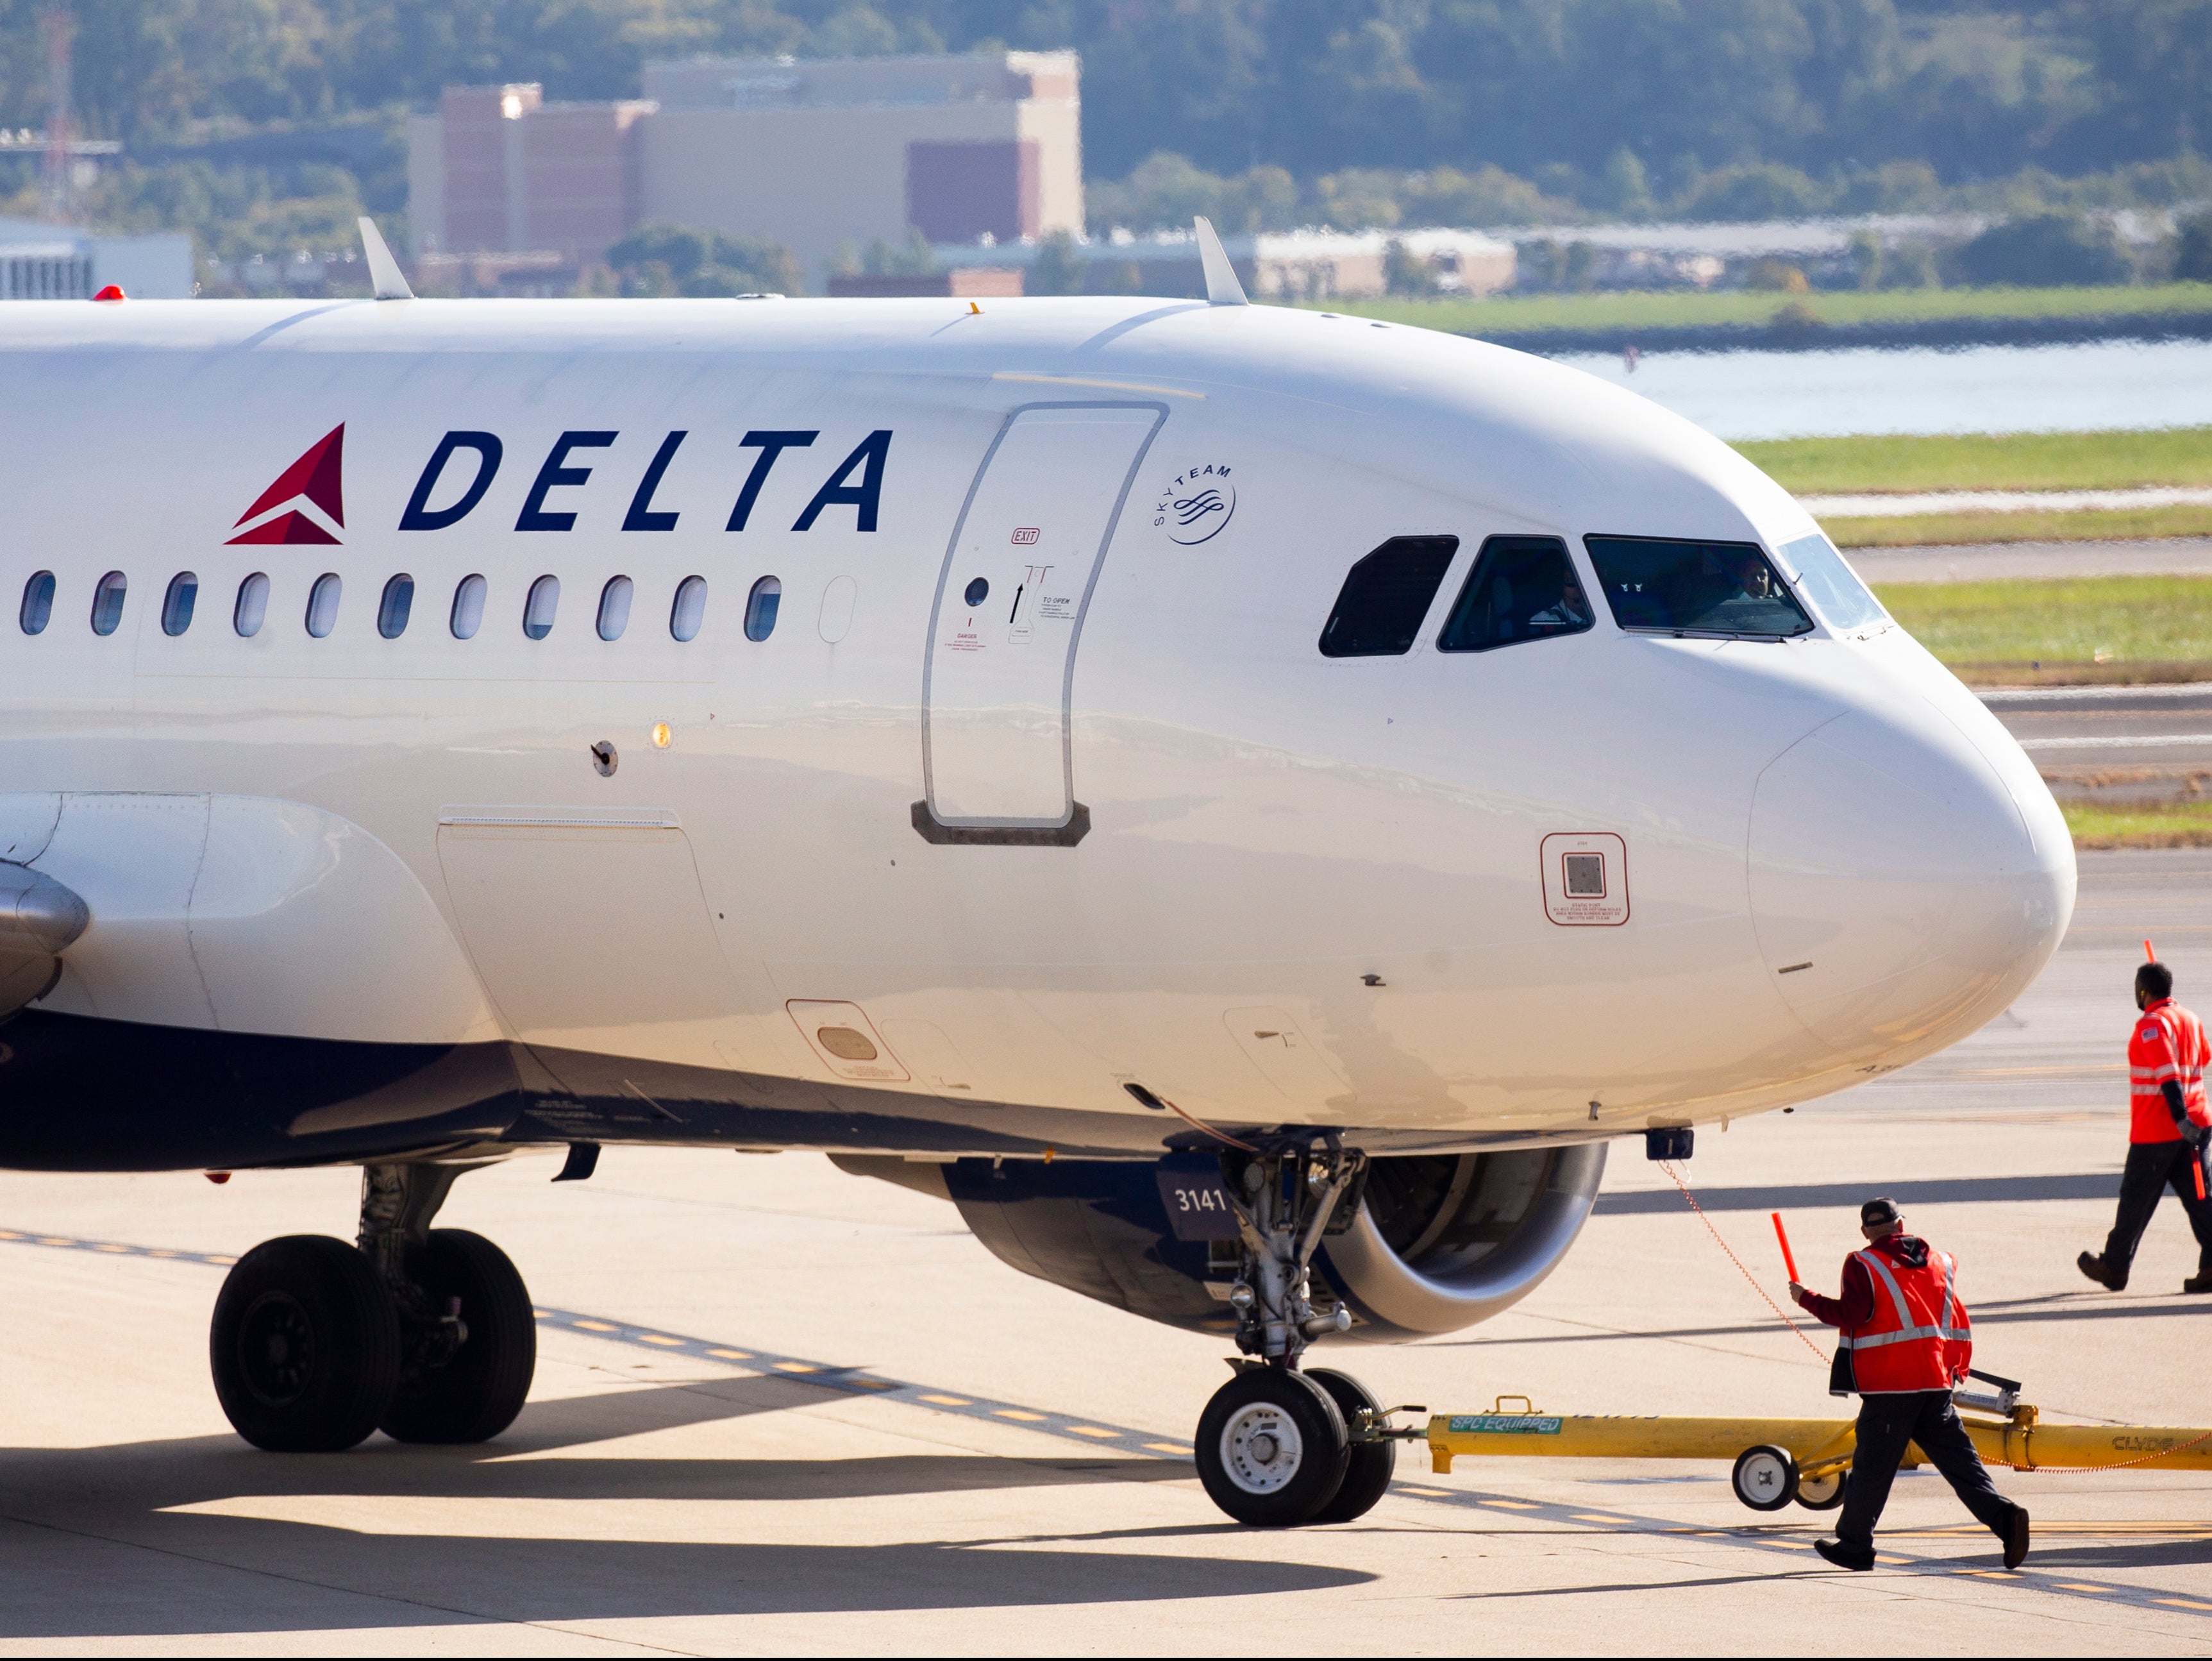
{"x": 1035, "y": 785}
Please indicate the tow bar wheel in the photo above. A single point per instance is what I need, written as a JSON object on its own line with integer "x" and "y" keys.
{"x": 1271, "y": 1448}
{"x": 1823, "y": 1492}
{"x": 1764, "y": 1478}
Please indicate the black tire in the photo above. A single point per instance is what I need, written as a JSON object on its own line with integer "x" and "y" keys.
{"x": 477, "y": 1395}
{"x": 1367, "y": 1474}
{"x": 305, "y": 1346}
{"x": 1271, "y": 1448}
{"x": 1816, "y": 1494}
{"x": 1764, "y": 1478}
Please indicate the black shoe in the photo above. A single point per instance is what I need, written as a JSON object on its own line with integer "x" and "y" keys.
{"x": 2015, "y": 1538}
{"x": 2198, "y": 1282}
{"x": 1845, "y": 1558}
{"x": 2094, "y": 1266}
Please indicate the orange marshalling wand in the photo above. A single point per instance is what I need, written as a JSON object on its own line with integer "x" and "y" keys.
{"x": 1789, "y": 1261}
{"x": 2149, "y": 954}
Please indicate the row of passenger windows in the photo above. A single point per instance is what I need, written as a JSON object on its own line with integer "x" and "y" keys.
{"x": 395, "y": 607}
{"x": 1525, "y": 588}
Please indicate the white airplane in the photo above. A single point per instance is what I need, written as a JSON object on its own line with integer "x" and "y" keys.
{"x": 1246, "y": 803}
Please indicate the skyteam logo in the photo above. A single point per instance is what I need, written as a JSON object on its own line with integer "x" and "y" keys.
{"x": 1197, "y": 505}
{"x": 306, "y": 504}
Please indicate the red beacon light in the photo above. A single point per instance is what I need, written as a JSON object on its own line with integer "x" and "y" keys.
{"x": 112, "y": 292}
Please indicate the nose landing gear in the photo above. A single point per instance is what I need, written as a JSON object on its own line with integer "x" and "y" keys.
{"x": 1277, "y": 1447}
{"x": 426, "y": 1333}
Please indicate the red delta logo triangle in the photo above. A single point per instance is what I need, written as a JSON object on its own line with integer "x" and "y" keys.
{"x": 316, "y": 478}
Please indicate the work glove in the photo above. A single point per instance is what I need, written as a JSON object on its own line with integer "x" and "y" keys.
{"x": 2194, "y": 1135}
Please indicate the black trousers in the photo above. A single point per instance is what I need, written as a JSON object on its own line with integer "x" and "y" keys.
{"x": 2152, "y": 1168}
{"x": 1887, "y": 1423}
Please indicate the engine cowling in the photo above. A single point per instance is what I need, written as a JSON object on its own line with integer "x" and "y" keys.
{"x": 1444, "y": 1241}
{"x": 1439, "y": 1242}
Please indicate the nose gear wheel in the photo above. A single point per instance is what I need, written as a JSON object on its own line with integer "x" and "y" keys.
{"x": 1272, "y": 1447}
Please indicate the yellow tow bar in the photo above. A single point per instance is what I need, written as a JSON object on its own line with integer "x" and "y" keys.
{"x": 1778, "y": 1460}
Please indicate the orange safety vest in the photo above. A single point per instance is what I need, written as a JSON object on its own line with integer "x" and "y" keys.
{"x": 2167, "y": 1044}
{"x": 1918, "y": 1337}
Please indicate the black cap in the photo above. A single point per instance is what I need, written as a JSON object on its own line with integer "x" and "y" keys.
{"x": 1879, "y": 1213}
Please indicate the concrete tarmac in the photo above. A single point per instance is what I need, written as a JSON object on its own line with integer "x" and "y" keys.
{"x": 1999, "y": 562}
{"x": 780, "y": 1409}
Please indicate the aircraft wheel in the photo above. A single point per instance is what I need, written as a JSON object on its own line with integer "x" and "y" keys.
{"x": 1823, "y": 1492}
{"x": 1367, "y": 1474}
{"x": 304, "y": 1345}
{"x": 1764, "y": 1478}
{"x": 477, "y": 1394}
{"x": 1271, "y": 1448}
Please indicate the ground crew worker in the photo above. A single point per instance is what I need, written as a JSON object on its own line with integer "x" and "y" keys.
{"x": 1910, "y": 1342}
{"x": 2167, "y": 1132}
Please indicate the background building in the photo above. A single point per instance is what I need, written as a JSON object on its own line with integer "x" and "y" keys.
{"x": 40, "y": 261}
{"x": 816, "y": 155}
{"x": 1279, "y": 266}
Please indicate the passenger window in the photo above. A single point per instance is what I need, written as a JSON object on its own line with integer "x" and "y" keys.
{"x": 38, "y": 608}
{"x": 538, "y": 609}
{"x": 468, "y": 607}
{"x": 614, "y": 607}
{"x": 760, "y": 608}
{"x": 1521, "y": 588}
{"x": 1831, "y": 585}
{"x": 177, "y": 605}
{"x": 323, "y": 604}
{"x": 395, "y": 607}
{"x": 253, "y": 607}
{"x": 691, "y": 608}
{"x": 1694, "y": 588}
{"x": 1379, "y": 610}
{"x": 107, "y": 602}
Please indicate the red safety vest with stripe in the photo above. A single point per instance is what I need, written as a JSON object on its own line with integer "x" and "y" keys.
{"x": 2167, "y": 1043}
{"x": 1918, "y": 1337}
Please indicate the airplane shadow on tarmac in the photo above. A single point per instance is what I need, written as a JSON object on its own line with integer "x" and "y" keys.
{"x": 123, "y": 1540}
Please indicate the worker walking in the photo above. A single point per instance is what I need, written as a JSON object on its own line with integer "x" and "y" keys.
{"x": 2167, "y": 1132}
{"x": 1908, "y": 1341}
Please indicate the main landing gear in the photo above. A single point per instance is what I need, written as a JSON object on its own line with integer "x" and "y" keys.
{"x": 1276, "y": 1447}
{"x": 426, "y": 1334}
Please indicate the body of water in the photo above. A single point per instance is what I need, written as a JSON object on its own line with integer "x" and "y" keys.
{"x": 1979, "y": 389}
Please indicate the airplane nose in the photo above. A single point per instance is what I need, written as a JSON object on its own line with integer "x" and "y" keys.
{"x": 1906, "y": 884}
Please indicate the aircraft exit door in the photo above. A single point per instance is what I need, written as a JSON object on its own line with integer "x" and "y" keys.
{"x": 1009, "y": 611}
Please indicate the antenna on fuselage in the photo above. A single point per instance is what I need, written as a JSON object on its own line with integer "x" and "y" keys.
{"x": 1222, "y": 288}
{"x": 384, "y": 273}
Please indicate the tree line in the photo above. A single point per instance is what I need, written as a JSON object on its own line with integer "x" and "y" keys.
{"x": 1974, "y": 88}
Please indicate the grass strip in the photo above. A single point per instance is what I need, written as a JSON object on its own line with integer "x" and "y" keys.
{"x": 2038, "y": 525}
{"x": 1878, "y": 464}
{"x": 1688, "y": 308}
{"x": 2145, "y": 824}
{"x": 2130, "y": 619}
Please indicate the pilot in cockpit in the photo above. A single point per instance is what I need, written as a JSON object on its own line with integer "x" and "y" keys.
{"x": 1568, "y": 609}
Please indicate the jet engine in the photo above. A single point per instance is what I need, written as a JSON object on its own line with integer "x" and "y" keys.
{"x": 1439, "y": 1242}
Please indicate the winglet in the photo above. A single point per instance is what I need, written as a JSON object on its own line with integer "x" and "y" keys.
{"x": 383, "y": 270}
{"x": 1222, "y": 288}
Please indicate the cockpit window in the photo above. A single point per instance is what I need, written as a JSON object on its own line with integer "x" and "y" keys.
{"x": 1385, "y": 597}
{"x": 1522, "y": 588}
{"x": 1832, "y": 586}
{"x": 1695, "y": 588}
